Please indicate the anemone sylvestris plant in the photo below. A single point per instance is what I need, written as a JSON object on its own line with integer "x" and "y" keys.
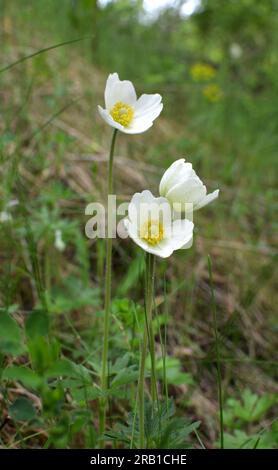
{"x": 152, "y": 223}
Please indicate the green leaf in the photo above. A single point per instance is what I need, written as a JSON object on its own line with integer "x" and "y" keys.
{"x": 67, "y": 368}
{"x": 22, "y": 410}
{"x": 37, "y": 324}
{"x": 120, "y": 363}
{"x": 124, "y": 377}
{"x": 43, "y": 353}
{"x": 72, "y": 295}
{"x": 10, "y": 335}
{"x": 25, "y": 375}
{"x": 249, "y": 408}
{"x": 174, "y": 373}
{"x": 82, "y": 394}
{"x": 132, "y": 276}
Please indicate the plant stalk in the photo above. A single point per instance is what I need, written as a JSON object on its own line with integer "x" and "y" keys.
{"x": 149, "y": 323}
{"x": 149, "y": 283}
{"x": 107, "y": 307}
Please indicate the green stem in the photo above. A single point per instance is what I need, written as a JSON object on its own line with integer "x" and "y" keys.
{"x": 164, "y": 350}
{"x": 149, "y": 278}
{"x": 107, "y": 305}
{"x": 141, "y": 391}
{"x": 218, "y": 363}
{"x": 150, "y": 331}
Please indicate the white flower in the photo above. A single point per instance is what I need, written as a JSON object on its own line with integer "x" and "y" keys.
{"x": 59, "y": 242}
{"x": 235, "y": 51}
{"x": 181, "y": 185}
{"x": 150, "y": 225}
{"x": 122, "y": 109}
{"x": 5, "y": 216}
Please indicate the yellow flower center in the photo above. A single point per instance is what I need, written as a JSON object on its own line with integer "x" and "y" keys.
{"x": 122, "y": 113}
{"x": 152, "y": 232}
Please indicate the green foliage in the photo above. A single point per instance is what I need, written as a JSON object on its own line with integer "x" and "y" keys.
{"x": 174, "y": 373}
{"x": 163, "y": 430}
{"x": 37, "y": 324}
{"x": 43, "y": 353}
{"x": 240, "y": 414}
{"x": 122, "y": 373}
{"x": 133, "y": 275}
{"x": 25, "y": 375}
{"x": 250, "y": 408}
{"x": 265, "y": 439}
{"x": 10, "y": 335}
{"x": 22, "y": 410}
{"x": 71, "y": 295}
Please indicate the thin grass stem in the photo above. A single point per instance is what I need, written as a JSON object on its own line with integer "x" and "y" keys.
{"x": 41, "y": 51}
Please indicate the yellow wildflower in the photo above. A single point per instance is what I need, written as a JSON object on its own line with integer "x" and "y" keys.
{"x": 201, "y": 72}
{"x": 212, "y": 93}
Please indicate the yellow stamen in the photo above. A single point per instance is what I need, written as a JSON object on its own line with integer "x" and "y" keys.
{"x": 152, "y": 232}
{"x": 122, "y": 113}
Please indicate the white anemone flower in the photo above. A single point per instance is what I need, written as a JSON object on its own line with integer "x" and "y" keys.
{"x": 151, "y": 226}
{"x": 124, "y": 111}
{"x": 181, "y": 185}
{"x": 5, "y": 216}
{"x": 59, "y": 242}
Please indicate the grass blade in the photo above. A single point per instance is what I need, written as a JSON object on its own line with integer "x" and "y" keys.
{"x": 41, "y": 51}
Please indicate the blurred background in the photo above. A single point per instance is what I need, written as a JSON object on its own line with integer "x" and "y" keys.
{"x": 215, "y": 63}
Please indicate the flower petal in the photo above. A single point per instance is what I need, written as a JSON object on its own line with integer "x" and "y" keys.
{"x": 179, "y": 169}
{"x": 142, "y": 124}
{"x": 148, "y": 107}
{"x": 182, "y": 233}
{"x": 110, "y": 82}
{"x": 181, "y": 237}
{"x": 119, "y": 90}
{"x": 187, "y": 245}
{"x": 157, "y": 250}
{"x": 134, "y": 205}
{"x": 108, "y": 119}
{"x": 207, "y": 199}
{"x": 190, "y": 191}
{"x": 144, "y": 206}
{"x": 181, "y": 185}
{"x": 137, "y": 127}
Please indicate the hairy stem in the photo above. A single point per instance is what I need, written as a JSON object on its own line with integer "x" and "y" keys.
{"x": 150, "y": 331}
{"x": 107, "y": 307}
{"x": 149, "y": 278}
